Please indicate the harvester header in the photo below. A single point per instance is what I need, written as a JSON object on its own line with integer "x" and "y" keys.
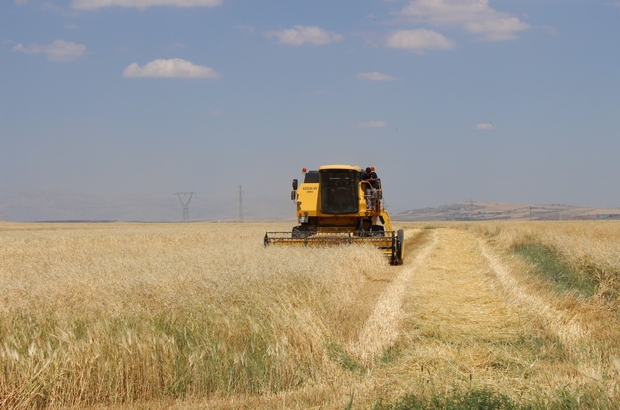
{"x": 341, "y": 204}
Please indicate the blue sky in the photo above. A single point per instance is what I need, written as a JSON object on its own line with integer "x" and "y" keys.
{"x": 126, "y": 102}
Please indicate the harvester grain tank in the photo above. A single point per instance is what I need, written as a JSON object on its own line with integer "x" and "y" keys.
{"x": 334, "y": 207}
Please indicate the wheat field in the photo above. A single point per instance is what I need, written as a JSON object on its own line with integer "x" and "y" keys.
{"x": 201, "y": 315}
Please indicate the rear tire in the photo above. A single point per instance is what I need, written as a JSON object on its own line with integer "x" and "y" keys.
{"x": 300, "y": 231}
{"x": 400, "y": 239}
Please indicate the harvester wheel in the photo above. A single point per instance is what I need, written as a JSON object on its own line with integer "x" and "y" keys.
{"x": 300, "y": 232}
{"x": 377, "y": 230}
{"x": 400, "y": 238}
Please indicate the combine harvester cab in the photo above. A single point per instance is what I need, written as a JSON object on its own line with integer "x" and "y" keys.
{"x": 334, "y": 207}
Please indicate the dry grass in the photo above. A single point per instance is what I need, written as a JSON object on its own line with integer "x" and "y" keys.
{"x": 590, "y": 248}
{"x": 382, "y": 328}
{"x": 201, "y": 315}
{"x": 123, "y": 313}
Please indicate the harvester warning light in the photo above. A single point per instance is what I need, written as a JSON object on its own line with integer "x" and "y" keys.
{"x": 304, "y": 170}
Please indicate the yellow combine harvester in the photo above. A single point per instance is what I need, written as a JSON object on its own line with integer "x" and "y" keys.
{"x": 336, "y": 207}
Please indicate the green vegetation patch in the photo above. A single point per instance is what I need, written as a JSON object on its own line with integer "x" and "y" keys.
{"x": 488, "y": 399}
{"x": 343, "y": 358}
{"x": 552, "y": 269}
{"x": 390, "y": 355}
{"x": 480, "y": 399}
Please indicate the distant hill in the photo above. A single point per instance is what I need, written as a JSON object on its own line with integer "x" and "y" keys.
{"x": 487, "y": 211}
{"x": 71, "y": 206}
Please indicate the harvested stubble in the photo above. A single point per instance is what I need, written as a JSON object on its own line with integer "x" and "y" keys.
{"x": 550, "y": 349}
{"x": 591, "y": 248}
{"x": 96, "y": 314}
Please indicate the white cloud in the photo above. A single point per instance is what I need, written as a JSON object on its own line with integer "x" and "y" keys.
{"x": 304, "y": 34}
{"x": 372, "y": 124}
{"x": 617, "y": 4}
{"x": 376, "y": 76}
{"x": 419, "y": 40}
{"x": 213, "y": 113}
{"x": 20, "y": 2}
{"x": 71, "y": 26}
{"x": 497, "y": 30}
{"x": 475, "y": 16}
{"x": 59, "y": 50}
{"x": 142, "y": 4}
{"x": 485, "y": 126}
{"x": 173, "y": 68}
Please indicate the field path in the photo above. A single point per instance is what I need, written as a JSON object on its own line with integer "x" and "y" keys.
{"x": 457, "y": 298}
{"x": 450, "y": 291}
{"x": 567, "y": 328}
{"x": 382, "y": 327}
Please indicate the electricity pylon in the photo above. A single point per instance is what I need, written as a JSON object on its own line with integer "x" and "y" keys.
{"x": 185, "y": 204}
{"x": 240, "y": 204}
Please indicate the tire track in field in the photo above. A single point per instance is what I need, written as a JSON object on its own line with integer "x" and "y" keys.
{"x": 381, "y": 328}
{"x": 567, "y": 328}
